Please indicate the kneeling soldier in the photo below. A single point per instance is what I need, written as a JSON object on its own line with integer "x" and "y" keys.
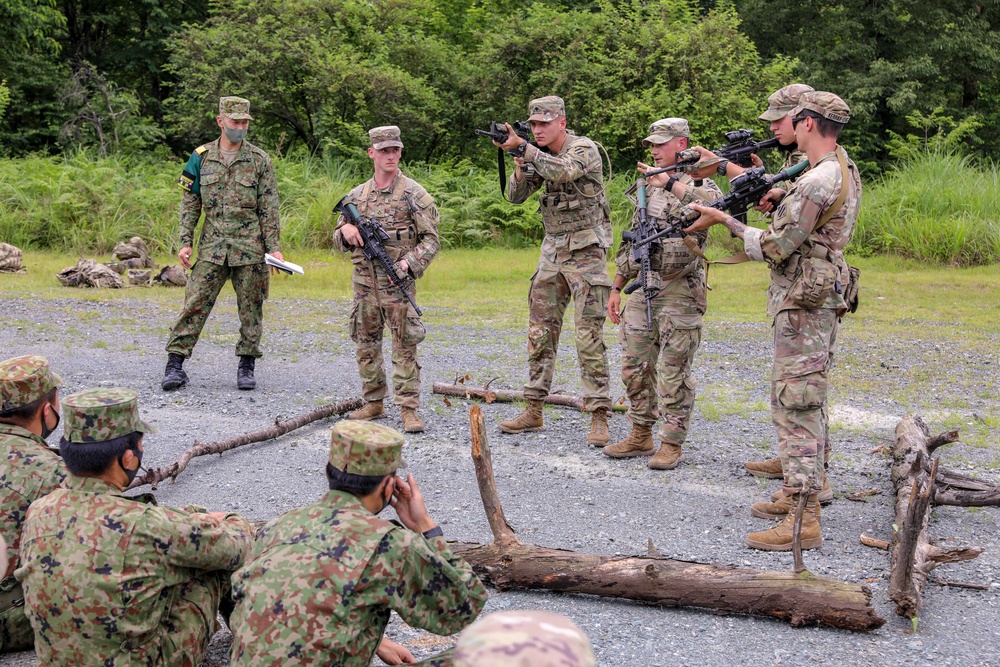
{"x": 113, "y": 580}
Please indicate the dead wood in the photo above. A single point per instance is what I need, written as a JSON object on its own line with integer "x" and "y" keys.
{"x": 156, "y": 475}
{"x": 507, "y": 563}
{"x": 509, "y": 395}
{"x": 960, "y": 584}
{"x": 873, "y": 542}
{"x": 913, "y": 556}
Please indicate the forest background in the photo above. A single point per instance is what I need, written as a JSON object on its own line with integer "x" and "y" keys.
{"x": 102, "y": 100}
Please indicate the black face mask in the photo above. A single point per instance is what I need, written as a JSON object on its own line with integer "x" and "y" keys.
{"x": 385, "y": 503}
{"x": 46, "y": 431}
{"x": 131, "y": 473}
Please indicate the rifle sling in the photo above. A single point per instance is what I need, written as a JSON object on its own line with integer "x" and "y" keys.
{"x": 502, "y": 171}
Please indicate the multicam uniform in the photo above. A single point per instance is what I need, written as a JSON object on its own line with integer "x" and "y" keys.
{"x": 573, "y": 264}
{"x": 240, "y": 201}
{"x": 662, "y": 357}
{"x": 530, "y": 637}
{"x": 407, "y": 213}
{"x": 804, "y": 257}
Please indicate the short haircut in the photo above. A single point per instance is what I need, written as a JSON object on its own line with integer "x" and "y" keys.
{"x": 358, "y": 485}
{"x": 90, "y": 459}
{"x": 825, "y": 126}
{"x": 26, "y": 413}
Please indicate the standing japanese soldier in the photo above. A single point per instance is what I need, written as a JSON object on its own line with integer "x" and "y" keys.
{"x": 573, "y": 261}
{"x": 233, "y": 182}
{"x": 804, "y": 247}
{"x": 408, "y": 215}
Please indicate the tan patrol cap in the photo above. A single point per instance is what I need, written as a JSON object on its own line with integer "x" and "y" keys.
{"x": 784, "y": 100}
{"x": 545, "y": 109}
{"x": 236, "y": 108}
{"x": 24, "y": 380}
{"x": 385, "y": 137}
{"x": 666, "y": 129}
{"x": 364, "y": 448}
{"x": 827, "y": 105}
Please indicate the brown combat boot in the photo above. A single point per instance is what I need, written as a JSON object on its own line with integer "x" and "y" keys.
{"x": 370, "y": 410}
{"x": 825, "y": 494}
{"x": 779, "y": 508}
{"x": 529, "y": 420}
{"x": 779, "y": 538}
{"x": 771, "y": 468}
{"x": 599, "y": 436}
{"x": 666, "y": 458}
{"x": 412, "y": 423}
{"x": 638, "y": 443}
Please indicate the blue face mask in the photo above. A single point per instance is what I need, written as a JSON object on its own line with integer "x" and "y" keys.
{"x": 234, "y": 136}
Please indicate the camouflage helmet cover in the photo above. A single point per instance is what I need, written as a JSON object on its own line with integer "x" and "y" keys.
{"x": 101, "y": 414}
{"x": 24, "y": 380}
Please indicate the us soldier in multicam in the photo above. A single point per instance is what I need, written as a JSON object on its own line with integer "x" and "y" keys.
{"x": 524, "y": 639}
{"x": 408, "y": 215}
{"x": 113, "y": 580}
{"x": 324, "y": 578}
{"x": 573, "y": 261}
{"x": 233, "y": 181}
{"x": 658, "y": 360}
{"x": 804, "y": 246}
{"x": 29, "y": 413}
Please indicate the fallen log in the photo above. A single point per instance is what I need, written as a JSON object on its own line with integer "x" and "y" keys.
{"x": 510, "y": 396}
{"x": 156, "y": 475}
{"x": 913, "y": 555}
{"x": 801, "y": 599}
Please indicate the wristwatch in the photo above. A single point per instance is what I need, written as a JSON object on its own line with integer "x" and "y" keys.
{"x": 616, "y": 288}
{"x": 670, "y": 181}
{"x": 519, "y": 151}
{"x": 433, "y": 532}
{"x": 721, "y": 169}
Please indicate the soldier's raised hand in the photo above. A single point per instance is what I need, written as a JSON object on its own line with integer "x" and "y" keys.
{"x": 409, "y": 505}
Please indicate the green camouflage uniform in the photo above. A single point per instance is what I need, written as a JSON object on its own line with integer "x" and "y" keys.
{"x": 407, "y": 213}
{"x": 805, "y": 336}
{"x": 659, "y": 361}
{"x": 324, "y": 578}
{"x": 241, "y": 224}
{"x": 524, "y": 639}
{"x": 573, "y": 261}
{"x": 110, "y": 580}
{"x": 28, "y": 471}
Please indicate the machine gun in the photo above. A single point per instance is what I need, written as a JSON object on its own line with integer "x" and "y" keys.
{"x": 498, "y": 132}
{"x": 747, "y": 189}
{"x": 374, "y": 238}
{"x": 641, "y": 253}
{"x": 738, "y": 149}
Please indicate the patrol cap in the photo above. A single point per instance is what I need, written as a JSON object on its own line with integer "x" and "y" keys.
{"x": 547, "y": 108}
{"x": 784, "y": 100}
{"x": 666, "y": 129}
{"x": 524, "y": 639}
{"x": 101, "y": 414}
{"x": 827, "y": 105}
{"x": 236, "y": 108}
{"x": 365, "y": 448}
{"x": 385, "y": 137}
{"x": 24, "y": 380}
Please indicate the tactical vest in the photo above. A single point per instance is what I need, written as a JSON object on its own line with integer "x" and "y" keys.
{"x": 673, "y": 255}
{"x": 394, "y": 213}
{"x": 572, "y": 207}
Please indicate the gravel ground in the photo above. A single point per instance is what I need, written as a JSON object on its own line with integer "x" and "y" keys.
{"x": 557, "y": 491}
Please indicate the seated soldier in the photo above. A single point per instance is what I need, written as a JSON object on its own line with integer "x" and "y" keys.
{"x": 112, "y": 580}
{"x": 29, "y": 413}
{"x": 324, "y": 578}
{"x": 523, "y": 639}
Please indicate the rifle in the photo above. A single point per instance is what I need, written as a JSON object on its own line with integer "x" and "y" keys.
{"x": 374, "y": 238}
{"x": 641, "y": 253}
{"x": 498, "y": 133}
{"x": 738, "y": 149}
{"x": 746, "y": 191}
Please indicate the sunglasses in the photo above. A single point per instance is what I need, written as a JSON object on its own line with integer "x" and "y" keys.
{"x": 797, "y": 120}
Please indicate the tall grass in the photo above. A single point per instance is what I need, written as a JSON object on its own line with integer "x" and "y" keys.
{"x": 936, "y": 207}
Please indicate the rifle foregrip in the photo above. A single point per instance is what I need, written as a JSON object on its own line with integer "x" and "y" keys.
{"x": 633, "y": 287}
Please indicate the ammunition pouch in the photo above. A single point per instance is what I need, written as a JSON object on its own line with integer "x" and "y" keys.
{"x": 567, "y": 212}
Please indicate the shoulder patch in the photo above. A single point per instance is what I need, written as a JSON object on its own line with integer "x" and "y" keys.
{"x": 424, "y": 200}
{"x": 201, "y": 150}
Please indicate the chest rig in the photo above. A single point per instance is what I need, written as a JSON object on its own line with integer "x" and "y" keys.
{"x": 673, "y": 254}
{"x": 394, "y": 211}
{"x": 571, "y": 207}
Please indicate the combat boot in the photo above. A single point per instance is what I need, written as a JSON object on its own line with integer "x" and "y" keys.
{"x": 370, "y": 410}
{"x": 411, "y": 421}
{"x": 529, "y": 420}
{"x": 174, "y": 375}
{"x": 599, "y": 436}
{"x": 825, "y": 494}
{"x": 666, "y": 458}
{"x": 244, "y": 374}
{"x": 771, "y": 468}
{"x": 638, "y": 443}
{"x": 779, "y": 538}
